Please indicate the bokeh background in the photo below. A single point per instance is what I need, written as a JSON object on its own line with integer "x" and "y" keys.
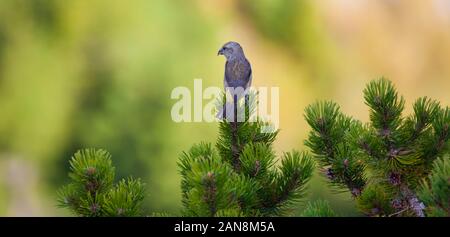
{"x": 98, "y": 73}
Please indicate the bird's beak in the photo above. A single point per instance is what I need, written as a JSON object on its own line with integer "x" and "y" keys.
{"x": 220, "y": 52}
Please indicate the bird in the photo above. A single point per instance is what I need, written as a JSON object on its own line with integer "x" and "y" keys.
{"x": 238, "y": 72}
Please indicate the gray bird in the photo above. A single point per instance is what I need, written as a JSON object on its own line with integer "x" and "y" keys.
{"x": 238, "y": 72}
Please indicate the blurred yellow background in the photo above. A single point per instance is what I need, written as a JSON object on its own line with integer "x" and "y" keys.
{"x": 98, "y": 73}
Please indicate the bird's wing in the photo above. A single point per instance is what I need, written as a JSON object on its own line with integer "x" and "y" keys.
{"x": 238, "y": 73}
{"x": 250, "y": 76}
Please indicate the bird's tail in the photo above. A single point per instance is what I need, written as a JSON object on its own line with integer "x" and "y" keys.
{"x": 234, "y": 136}
{"x": 229, "y": 110}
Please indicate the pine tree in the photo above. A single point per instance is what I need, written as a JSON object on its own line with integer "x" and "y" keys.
{"x": 239, "y": 176}
{"x": 383, "y": 162}
{"x": 92, "y": 192}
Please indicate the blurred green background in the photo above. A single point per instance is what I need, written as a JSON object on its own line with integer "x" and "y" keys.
{"x": 98, "y": 73}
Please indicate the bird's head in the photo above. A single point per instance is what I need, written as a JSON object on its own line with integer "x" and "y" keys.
{"x": 231, "y": 50}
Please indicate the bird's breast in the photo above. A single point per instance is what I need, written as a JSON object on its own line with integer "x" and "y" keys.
{"x": 237, "y": 70}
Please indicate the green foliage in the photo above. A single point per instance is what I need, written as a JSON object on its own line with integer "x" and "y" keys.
{"x": 318, "y": 208}
{"x": 381, "y": 162}
{"x": 385, "y": 106}
{"x": 295, "y": 171}
{"x": 92, "y": 192}
{"x": 327, "y": 141}
{"x": 239, "y": 177}
{"x": 125, "y": 199}
{"x": 435, "y": 190}
{"x": 374, "y": 201}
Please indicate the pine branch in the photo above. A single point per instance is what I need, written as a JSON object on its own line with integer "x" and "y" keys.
{"x": 91, "y": 191}
{"x": 327, "y": 141}
{"x": 435, "y": 190}
{"x": 125, "y": 199}
{"x": 318, "y": 208}
{"x": 386, "y": 108}
{"x": 381, "y": 162}
{"x": 295, "y": 171}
